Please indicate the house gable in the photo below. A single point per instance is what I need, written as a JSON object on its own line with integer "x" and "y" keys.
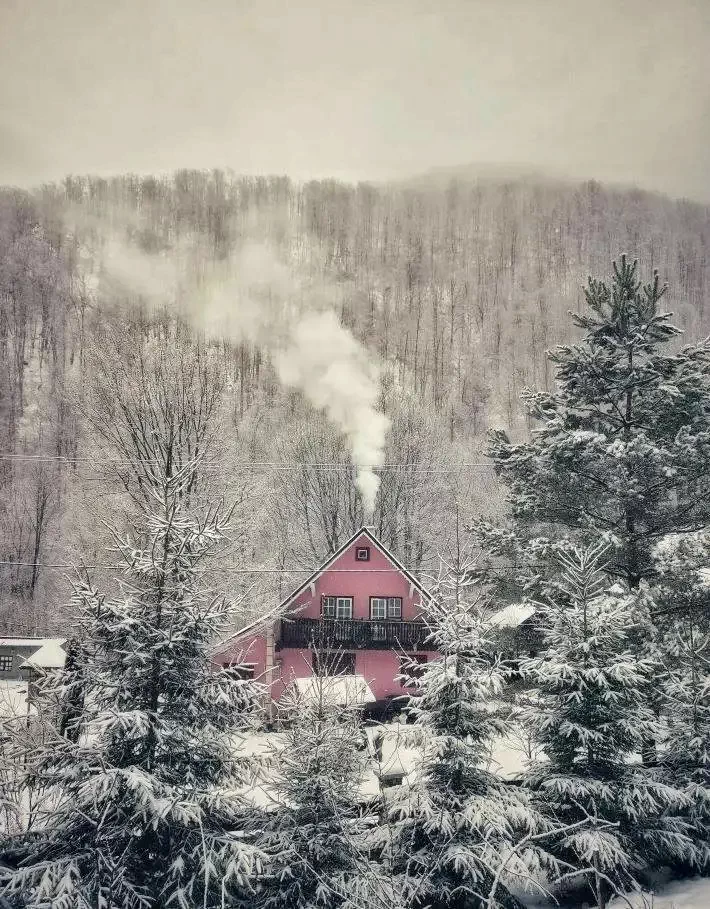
{"x": 342, "y": 564}
{"x": 345, "y": 571}
{"x": 378, "y": 602}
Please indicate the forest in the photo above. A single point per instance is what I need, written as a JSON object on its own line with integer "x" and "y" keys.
{"x": 209, "y": 384}
{"x": 434, "y": 299}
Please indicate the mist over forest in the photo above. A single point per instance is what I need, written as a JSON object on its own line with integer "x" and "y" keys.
{"x": 334, "y": 355}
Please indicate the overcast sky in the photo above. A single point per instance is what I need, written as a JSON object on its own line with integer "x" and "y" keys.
{"x": 612, "y": 89}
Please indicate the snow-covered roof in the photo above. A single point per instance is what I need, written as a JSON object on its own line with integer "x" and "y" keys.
{"x": 333, "y": 690}
{"x": 24, "y": 642}
{"x": 253, "y": 625}
{"x": 512, "y": 616}
{"x": 50, "y": 655}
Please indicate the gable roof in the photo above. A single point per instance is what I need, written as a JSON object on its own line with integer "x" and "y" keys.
{"x": 25, "y": 643}
{"x": 512, "y": 616}
{"x": 336, "y": 555}
{"x": 51, "y": 655}
{"x": 273, "y": 614}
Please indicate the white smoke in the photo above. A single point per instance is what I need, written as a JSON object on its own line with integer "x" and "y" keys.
{"x": 152, "y": 277}
{"x": 330, "y": 367}
{"x": 256, "y": 297}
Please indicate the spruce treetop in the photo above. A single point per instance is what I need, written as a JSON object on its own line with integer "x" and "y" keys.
{"x": 622, "y": 445}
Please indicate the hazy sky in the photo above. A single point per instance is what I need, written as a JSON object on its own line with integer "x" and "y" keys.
{"x": 613, "y": 89}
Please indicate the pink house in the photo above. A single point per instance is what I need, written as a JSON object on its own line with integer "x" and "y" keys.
{"x": 359, "y": 614}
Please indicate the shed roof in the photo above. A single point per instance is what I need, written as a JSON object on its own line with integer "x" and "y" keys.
{"x": 334, "y": 690}
{"x": 51, "y": 655}
{"x": 512, "y": 616}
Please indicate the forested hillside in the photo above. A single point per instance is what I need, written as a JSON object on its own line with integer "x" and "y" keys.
{"x": 454, "y": 287}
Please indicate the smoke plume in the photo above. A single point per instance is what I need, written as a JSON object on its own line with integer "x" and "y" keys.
{"x": 255, "y": 297}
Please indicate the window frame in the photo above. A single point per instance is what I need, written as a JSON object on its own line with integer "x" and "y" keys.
{"x": 365, "y": 550}
{"x": 337, "y": 600}
{"x": 389, "y": 615}
{"x": 6, "y": 662}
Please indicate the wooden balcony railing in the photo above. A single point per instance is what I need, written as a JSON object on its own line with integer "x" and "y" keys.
{"x": 355, "y": 634}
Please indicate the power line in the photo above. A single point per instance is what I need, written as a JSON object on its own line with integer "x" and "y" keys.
{"x": 236, "y": 570}
{"x": 243, "y": 465}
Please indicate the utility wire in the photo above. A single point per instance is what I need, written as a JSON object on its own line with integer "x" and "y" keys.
{"x": 236, "y": 570}
{"x": 241, "y": 465}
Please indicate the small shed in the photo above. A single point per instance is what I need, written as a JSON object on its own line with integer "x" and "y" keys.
{"x": 517, "y": 631}
{"x": 19, "y": 654}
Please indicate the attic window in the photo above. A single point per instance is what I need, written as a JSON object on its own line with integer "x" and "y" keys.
{"x": 362, "y": 554}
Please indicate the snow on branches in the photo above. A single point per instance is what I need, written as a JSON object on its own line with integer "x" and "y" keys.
{"x": 591, "y": 718}
{"x": 143, "y": 816}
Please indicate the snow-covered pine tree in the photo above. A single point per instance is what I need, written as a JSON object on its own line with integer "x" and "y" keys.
{"x": 314, "y": 837}
{"x": 622, "y": 445}
{"x": 142, "y": 815}
{"x": 459, "y": 836}
{"x": 590, "y": 719}
{"x": 682, "y": 594}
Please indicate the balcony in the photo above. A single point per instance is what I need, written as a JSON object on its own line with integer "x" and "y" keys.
{"x": 353, "y": 634}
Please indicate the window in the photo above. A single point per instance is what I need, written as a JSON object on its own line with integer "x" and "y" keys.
{"x": 242, "y": 670}
{"x": 412, "y": 665}
{"x": 333, "y": 663}
{"x": 337, "y": 607}
{"x": 5, "y": 662}
{"x": 362, "y": 554}
{"x": 385, "y": 608}
{"x": 394, "y": 607}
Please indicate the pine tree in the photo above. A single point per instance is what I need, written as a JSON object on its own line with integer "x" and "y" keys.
{"x": 143, "y": 816}
{"x": 683, "y": 597}
{"x": 459, "y": 836}
{"x": 590, "y": 719}
{"x": 315, "y": 836}
{"x": 622, "y": 446}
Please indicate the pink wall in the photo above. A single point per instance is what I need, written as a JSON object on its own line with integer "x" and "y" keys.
{"x": 360, "y": 580}
{"x": 249, "y": 649}
{"x": 378, "y": 667}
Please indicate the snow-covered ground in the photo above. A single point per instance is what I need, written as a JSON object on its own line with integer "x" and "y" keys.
{"x": 393, "y": 757}
{"x": 688, "y": 894}
{"x": 691, "y": 894}
{"x": 13, "y": 699}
